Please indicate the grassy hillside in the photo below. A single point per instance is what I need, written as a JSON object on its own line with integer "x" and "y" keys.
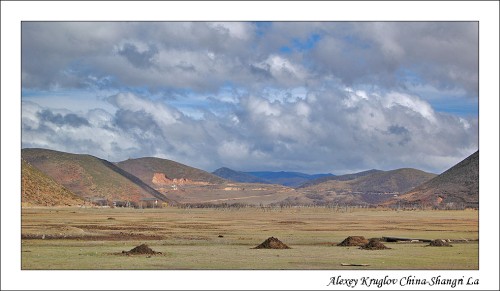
{"x": 374, "y": 188}
{"x": 88, "y": 176}
{"x": 145, "y": 168}
{"x": 237, "y": 176}
{"x": 400, "y": 180}
{"x": 289, "y": 179}
{"x": 345, "y": 177}
{"x": 37, "y": 189}
{"x": 459, "y": 184}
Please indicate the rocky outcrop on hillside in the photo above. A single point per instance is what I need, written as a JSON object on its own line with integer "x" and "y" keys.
{"x": 161, "y": 179}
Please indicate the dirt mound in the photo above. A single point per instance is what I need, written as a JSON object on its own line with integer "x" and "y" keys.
{"x": 272, "y": 243}
{"x": 353, "y": 241}
{"x": 141, "y": 250}
{"x": 374, "y": 244}
{"x": 439, "y": 243}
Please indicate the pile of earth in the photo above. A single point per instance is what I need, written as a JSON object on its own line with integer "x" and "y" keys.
{"x": 272, "y": 243}
{"x": 141, "y": 250}
{"x": 439, "y": 243}
{"x": 374, "y": 244}
{"x": 353, "y": 241}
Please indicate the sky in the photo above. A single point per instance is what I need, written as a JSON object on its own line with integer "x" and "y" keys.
{"x": 313, "y": 97}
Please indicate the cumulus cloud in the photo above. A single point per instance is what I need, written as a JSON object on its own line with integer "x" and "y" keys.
{"x": 443, "y": 54}
{"x": 281, "y": 70}
{"x": 272, "y": 135}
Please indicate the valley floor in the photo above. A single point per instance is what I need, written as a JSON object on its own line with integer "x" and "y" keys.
{"x": 223, "y": 239}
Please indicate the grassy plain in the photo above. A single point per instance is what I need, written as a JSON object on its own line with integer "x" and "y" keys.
{"x": 93, "y": 238}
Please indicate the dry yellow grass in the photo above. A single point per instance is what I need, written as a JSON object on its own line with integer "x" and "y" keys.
{"x": 222, "y": 239}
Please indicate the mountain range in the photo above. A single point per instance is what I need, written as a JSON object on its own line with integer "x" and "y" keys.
{"x": 289, "y": 179}
{"x": 345, "y": 177}
{"x": 72, "y": 178}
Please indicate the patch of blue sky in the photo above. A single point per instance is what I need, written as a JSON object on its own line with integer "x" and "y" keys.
{"x": 191, "y": 107}
{"x": 357, "y": 42}
{"x": 308, "y": 44}
{"x": 284, "y": 95}
{"x": 299, "y": 45}
{"x": 463, "y": 107}
{"x": 262, "y": 27}
{"x": 138, "y": 90}
{"x": 237, "y": 91}
{"x": 285, "y": 50}
{"x": 197, "y": 105}
{"x": 452, "y": 101}
{"x": 407, "y": 75}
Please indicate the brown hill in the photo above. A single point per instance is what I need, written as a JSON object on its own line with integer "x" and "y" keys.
{"x": 37, "y": 189}
{"x": 374, "y": 188}
{"x": 345, "y": 177}
{"x": 395, "y": 181}
{"x": 90, "y": 177}
{"x": 146, "y": 168}
{"x": 458, "y": 185}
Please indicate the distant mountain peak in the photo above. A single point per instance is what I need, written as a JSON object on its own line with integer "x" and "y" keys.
{"x": 285, "y": 178}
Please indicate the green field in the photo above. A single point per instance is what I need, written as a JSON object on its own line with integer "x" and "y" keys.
{"x": 222, "y": 239}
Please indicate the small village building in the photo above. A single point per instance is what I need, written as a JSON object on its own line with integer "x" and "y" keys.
{"x": 149, "y": 203}
{"x": 98, "y": 201}
{"x": 120, "y": 203}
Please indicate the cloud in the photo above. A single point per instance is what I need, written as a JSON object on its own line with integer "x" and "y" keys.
{"x": 444, "y": 54}
{"x": 398, "y": 130}
{"x": 141, "y": 59}
{"x": 71, "y": 54}
{"x": 318, "y": 133}
{"x": 161, "y": 113}
{"x": 412, "y": 103}
{"x": 63, "y": 54}
{"x": 69, "y": 119}
{"x": 282, "y": 70}
{"x": 306, "y": 96}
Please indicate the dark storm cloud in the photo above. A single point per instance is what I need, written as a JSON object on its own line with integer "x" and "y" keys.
{"x": 129, "y": 119}
{"x": 139, "y": 59}
{"x": 69, "y": 119}
{"x": 398, "y": 130}
{"x": 401, "y": 131}
{"x": 261, "y": 73}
